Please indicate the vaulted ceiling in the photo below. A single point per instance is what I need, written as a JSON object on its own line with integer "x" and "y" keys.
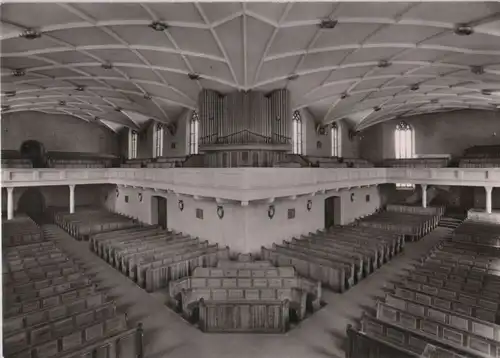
{"x": 122, "y": 64}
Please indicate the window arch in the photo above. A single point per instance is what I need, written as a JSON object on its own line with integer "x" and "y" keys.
{"x": 403, "y": 141}
{"x": 297, "y": 133}
{"x": 132, "y": 144}
{"x": 336, "y": 140}
{"x": 194, "y": 126}
{"x": 158, "y": 140}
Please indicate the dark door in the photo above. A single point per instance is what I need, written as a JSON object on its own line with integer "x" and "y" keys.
{"x": 332, "y": 211}
{"x": 32, "y": 203}
{"x": 162, "y": 212}
{"x": 34, "y": 151}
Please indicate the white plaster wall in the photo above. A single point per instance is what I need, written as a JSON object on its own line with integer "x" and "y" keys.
{"x": 245, "y": 229}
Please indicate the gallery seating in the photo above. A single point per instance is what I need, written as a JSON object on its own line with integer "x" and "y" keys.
{"x": 450, "y": 302}
{"x": 20, "y": 230}
{"x": 57, "y": 159}
{"x": 486, "y": 156}
{"x": 88, "y": 221}
{"x": 52, "y": 308}
{"x": 17, "y": 163}
{"x": 416, "y": 163}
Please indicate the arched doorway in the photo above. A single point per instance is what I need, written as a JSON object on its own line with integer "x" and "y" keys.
{"x": 35, "y": 151}
{"x": 159, "y": 211}
{"x": 32, "y": 203}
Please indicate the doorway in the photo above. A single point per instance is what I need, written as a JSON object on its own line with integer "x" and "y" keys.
{"x": 34, "y": 151}
{"x": 159, "y": 211}
{"x": 32, "y": 203}
{"x": 332, "y": 211}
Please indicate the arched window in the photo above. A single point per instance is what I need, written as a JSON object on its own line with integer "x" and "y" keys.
{"x": 336, "y": 141}
{"x": 132, "y": 144}
{"x": 404, "y": 147}
{"x": 403, "y": 141}
{"x": 297, "y": 133}
{"x": 194, "y": 126}
{"x": 158, "y": 140}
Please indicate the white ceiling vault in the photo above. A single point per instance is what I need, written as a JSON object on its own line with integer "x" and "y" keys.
{"x": 122, "y": 64}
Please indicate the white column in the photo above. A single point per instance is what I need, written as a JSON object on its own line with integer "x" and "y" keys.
{"x": 71, "y": 199}
{"x": 10, "y": 203}
{"x": 424, "y": 195}
{"x": 488, "y": 189}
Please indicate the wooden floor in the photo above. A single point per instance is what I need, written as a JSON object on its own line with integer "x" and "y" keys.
{"x": 322, "y": 335}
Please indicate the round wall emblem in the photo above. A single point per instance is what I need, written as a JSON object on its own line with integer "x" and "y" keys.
{"x": 270, "y": 211}
{"x": 309, "y": 205}
{"x": 220, "y": 211}
{"x": 139, "y": 195}
{"x": 181, "y": 205}
{"x": 352, "y": 197}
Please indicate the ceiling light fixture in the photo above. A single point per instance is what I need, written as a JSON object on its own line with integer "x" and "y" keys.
{"x": 344, "y": 95}
{"x": 107, "y": 66}
{"x": 147, "y": 96}
{"x": 293, "y": 77}
{"x": 18, "y": 72}
{"x": 193, "y": 76}
{"x": 118, "y": 109}
{"x": 96, "y": 118}
{"x": 377, "y": 108}
{"x": 486, "y": 92}
{"x": 62, "y": 103}
{"x": 464, "y": 30}
{"x": 5, "y": 107}
{"x": 30, "y": 34}
{"x": 434, "y": 100}
{"x": 80, "y": 88}
{"x": 158, "y": 26}
{"x": 477, "y": 70}
{"x": 328, "y": 24}
{"x": 415, "y": 87}
{"x": 10, "y": 94}
{"x": 383, "y": 64}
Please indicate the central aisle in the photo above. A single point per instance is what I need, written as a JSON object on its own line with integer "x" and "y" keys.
{"x": 322, "y": 335}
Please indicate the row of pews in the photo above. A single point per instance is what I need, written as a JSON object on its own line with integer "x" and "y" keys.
{"x": 19, "y": 231}
{"x": 485, "y": 156}
{"x": 414, "y": 222}
{"x": 416, "y": 163}
{"x": 448, "y": 306}
{"x": 53, "y": 308}
{"x": 159, "y": 162}
{"x": 88, "y": 221}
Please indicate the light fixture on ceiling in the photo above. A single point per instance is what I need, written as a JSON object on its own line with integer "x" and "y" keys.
{"x": 30, "y": 34}
{"x": 344, "y": 95}
{"x": 147, "y": 96}
{"x": 434, "y": 100}
{"x": 62, "y": 103}
{"x": 5, "y": 107}
{"x": 415, "y": 87}
{"x": 463, "y": 30}
{"x": 477, "y": 70}
{"x": 118, "y": 109}
{"x": 10, "y": 93}
{"x": 80, "y": 88}
{"x": 293, "y": 77}
{"x": 383, "y": 63}
{"x": 193, "y": 76}
{"x": 96, "y": 118}
{"x": 377, "y": 108}
{"x": 18, "y": 72}
{"x": 486, "y": 92}
{"x": 107, "y": 65}
{"x": 158, "y": 26}
{"x": 328, "y": 24}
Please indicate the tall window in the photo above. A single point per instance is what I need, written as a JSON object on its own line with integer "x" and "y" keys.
{"x": 132, "y": 144}
{"x": 158, "y": 140}
{"x": 194, "y": 126}
{"x": 404, "y": 147}
{"x": 297, "y": 133}
{"x": 403, "y": 136}
{"x": 336, "y": 141}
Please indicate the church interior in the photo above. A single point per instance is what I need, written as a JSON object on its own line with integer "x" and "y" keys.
{"x": 250, "y": 179}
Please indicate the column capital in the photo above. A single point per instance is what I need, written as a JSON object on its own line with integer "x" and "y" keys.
{"x": 488, "y": 188}
{"x": 10, "y": 189}
{"x": 72, "y": 186}
{"x": 424, "y": 185}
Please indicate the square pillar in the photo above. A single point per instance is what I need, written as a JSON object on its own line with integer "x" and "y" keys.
{"x": 424, "y": 195}
{"x": 71, "y": 199}
{"x": 488, "y": 189}
{"x": 10, "y": 203}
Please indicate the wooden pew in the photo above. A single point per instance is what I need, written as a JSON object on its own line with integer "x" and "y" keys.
{"x": 226, "y": 264}
{"x": 19, "y": 231}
